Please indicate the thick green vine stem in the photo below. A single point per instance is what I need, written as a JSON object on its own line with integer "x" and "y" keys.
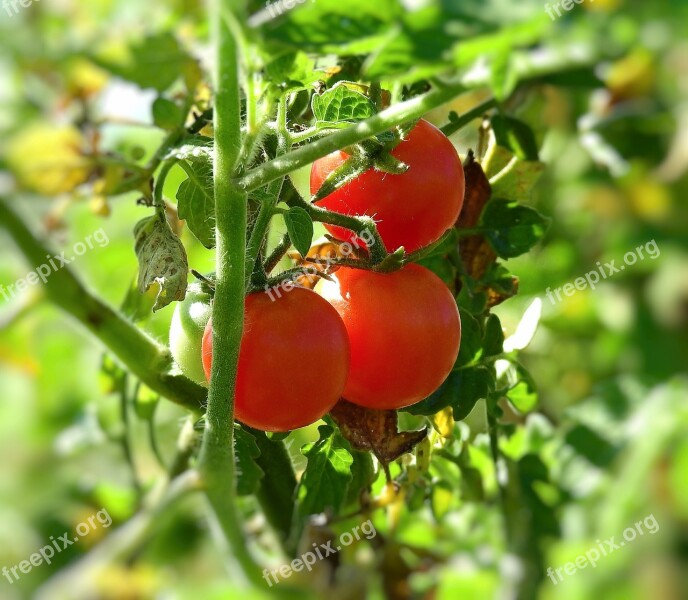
{"x": 216, "y": 460}
{"x": 151, "y": 362}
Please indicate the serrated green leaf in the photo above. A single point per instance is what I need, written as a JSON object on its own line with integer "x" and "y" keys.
{"x": 326, "y": 479}
{"x": 196, "y": 201}
{"x": 249, "y": 474}
{"x": 300, "y": 228}
{"x": 162, "y": 260}
{"x": 510, "y": 228}
{"x": 462, "y": 389}
{"x": 342, "y": 104}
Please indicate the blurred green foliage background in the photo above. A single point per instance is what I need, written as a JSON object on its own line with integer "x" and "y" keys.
{"x": 611, "y": 424}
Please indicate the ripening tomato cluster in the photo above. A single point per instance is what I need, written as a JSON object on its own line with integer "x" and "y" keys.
{"x": 383, "y": 341}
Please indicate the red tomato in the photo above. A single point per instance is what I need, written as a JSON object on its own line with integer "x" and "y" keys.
{"x": 413, "y": 209}
{"x": 404, "y": 330}
{"x": 293, "y": 361}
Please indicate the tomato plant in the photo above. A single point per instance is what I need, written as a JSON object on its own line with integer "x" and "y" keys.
{"x": 298, "y": 328}
{"x": 411, "y": 209}
{"x": 306, "y": 248}
{"x": 404, "y": 330}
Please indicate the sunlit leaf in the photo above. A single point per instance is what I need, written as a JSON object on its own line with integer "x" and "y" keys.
{"x": 326, "y": 479}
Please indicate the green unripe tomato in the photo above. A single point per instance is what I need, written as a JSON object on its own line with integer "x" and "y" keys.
{"x": 186, "y": 332}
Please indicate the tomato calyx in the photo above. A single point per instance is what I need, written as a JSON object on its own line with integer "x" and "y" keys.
{"x": 367, "y": 155}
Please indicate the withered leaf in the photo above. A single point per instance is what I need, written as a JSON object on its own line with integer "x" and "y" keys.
{"x": 476, "y": 253}
{"x": 162, "y": 260}
{"x": 375, "y": 431}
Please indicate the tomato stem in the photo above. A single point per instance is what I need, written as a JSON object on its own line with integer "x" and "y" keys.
{"x": 277, "y": 254}
{"x": 267, "y": 208}
{"x": 143, "y": 356}
{"x": 216, "y": 460}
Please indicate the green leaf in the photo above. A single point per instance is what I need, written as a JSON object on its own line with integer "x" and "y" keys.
{"x": 494, "y": 337}
{"x": 503, "y": 40}
{"x": 330, "y": 26}
{"x": 341, "y": 103}
{"x": 462, "y": 389}
{"x": 362, "y": 475}
{"x": 503, "y": 76}
{"x": 249, "y": 474}
{"x": 471, "y": 340}
{"x": 590, "y": 444}
{"x": 300, "y": 229}
{"x": 155, "y": 62}
{"x": 416, "y": 47}
{"x": 523, "y": 394}
{"x": 196, "y": 200}
{"x": 162, "y": 260}
{"x": 471, "y": 300}
{"x": 441, "y": 267}
{"x": 512, "y": 229}
{"x": 326, "y": 479}
{"x": 292, "y": 69}
{"x": 166, "y": 114}
{"x": 516, "y": 136}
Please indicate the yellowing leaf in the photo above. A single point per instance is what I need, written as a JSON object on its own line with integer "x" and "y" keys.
{"x": 84, "y": 78}
{"x": 49, "y": 160}
{"x": 443, "y": 422}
